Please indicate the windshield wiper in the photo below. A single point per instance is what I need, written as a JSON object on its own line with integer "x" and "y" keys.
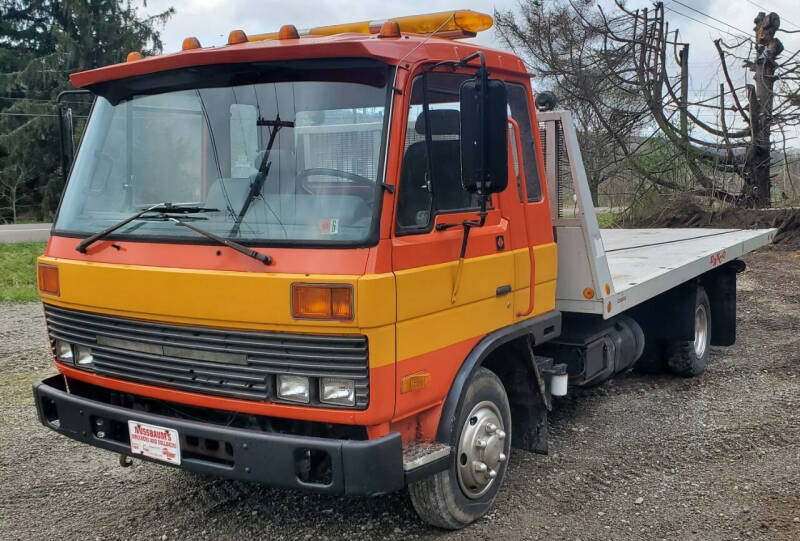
{"x": 160, "y": 207}
{"x": 263, "y": 168}
{"x": 265, "y": 259}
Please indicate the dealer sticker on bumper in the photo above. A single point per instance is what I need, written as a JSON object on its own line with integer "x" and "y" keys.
{"x": 155, "y": 442}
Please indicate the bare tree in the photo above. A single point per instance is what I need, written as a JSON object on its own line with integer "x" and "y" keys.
{"x": 12, "y": 182}
{"x": 618, "y": 68}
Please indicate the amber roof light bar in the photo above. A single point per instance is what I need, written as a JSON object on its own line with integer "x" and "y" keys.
{"x": 463, "y": 23}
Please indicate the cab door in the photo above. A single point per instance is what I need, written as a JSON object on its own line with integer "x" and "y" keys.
{"x": 537, "y": 267}
{"x": 441, "y": 313}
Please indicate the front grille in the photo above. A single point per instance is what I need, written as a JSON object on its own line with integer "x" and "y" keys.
{"x": 240, "y": 364}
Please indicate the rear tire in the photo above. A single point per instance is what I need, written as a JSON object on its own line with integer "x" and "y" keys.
{"x": 464, "y": 492}
{"x": 689, "y": 359}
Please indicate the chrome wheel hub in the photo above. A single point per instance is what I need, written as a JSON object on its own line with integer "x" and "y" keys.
{"x": 700, "y": 330}
{"x": 481, "y": 449}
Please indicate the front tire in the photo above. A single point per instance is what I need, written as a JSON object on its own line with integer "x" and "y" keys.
{"x": 689, "y": 359}
{"x": 464, "y": 492}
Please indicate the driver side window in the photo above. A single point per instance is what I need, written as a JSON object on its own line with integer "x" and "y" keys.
{"x": 430, "y": 179}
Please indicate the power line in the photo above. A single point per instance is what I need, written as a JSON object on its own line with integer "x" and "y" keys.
{"x": 767, "y": 9}
{"x": 42, "y": 101}
{"x": 744, "y": 33}
{"x": 705, "y": 23}
{"x": 26, "y": 114}
{"x": 39, "y": 115}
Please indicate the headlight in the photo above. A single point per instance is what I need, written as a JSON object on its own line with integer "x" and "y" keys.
{"x": 64, "y": 351}
{"x": 293, "y": 388}
{"x": 341, "y": 392}
{"x": 83, "y": 356}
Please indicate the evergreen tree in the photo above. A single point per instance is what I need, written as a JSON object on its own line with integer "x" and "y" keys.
{"x": 41, "y": 43}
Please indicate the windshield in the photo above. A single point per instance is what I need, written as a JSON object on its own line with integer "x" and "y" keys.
{"x": 281, "y": 159}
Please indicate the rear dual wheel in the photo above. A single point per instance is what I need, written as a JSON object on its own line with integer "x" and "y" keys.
{"x": 687, "y": 358}
{"x": 690, "y": 358}
{"x": 465, "y": 491}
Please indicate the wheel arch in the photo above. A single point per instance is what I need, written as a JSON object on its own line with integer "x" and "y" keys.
{"x": 487, "y": 353}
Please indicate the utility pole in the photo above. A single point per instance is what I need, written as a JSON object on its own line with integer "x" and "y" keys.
{"x": 684, "y": 64}
{"x": 760, "y": 95}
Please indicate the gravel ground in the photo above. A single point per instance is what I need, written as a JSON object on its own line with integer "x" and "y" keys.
{"x": 641, "y": 457}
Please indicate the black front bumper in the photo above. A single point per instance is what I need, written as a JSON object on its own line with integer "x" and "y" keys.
{"x": 356, "y": 467}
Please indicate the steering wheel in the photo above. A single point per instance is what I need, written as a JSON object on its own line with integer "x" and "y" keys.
{"x": 357, "y": 180}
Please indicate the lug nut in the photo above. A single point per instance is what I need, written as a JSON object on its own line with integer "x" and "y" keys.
{"x": 101, "y": 434}
{"x": 99, "y": 422}
{"x": 480, "y": 467}
{"x": 501, "y": 435}
{"x": 490, "y": 428}
{"x": 502, "y": 457}
{"x": 480, "y": 444}
{"x": 492, "y": 474}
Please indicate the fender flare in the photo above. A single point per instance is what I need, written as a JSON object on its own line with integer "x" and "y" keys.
{"x": 542, "y": 328}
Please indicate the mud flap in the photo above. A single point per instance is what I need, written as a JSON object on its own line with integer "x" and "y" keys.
{"x": 720, "y": 286}
{"x": 529, "y": 410}
{"x": 530, "y": 427}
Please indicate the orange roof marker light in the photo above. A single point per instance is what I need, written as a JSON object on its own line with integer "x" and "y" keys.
{"x": 288, "y": 31}
{"x": 190, "y": 43}
{"x": 133, "y": 56}
{"x": 462, "y": 23}
{"x": 389, "y": 29}
{"x": 237, "y": 36}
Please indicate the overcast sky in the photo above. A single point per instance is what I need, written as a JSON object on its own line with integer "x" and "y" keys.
{"x": 212, "y": 20}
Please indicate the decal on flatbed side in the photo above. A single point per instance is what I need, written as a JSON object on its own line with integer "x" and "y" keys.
{"x": 718, "y": 258}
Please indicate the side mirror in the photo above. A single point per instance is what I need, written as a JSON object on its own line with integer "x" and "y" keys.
{"x": 484, "y": 139}
{"x": 67, "y": 129}
{"x": 67, "y": 134}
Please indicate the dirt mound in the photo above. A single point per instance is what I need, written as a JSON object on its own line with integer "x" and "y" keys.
{"x": 689, "y": 214}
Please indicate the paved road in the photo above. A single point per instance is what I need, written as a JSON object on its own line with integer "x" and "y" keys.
{"x": 24, "y": 233}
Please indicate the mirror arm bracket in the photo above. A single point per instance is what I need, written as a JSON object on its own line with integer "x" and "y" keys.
{"x": 467, "y": 225}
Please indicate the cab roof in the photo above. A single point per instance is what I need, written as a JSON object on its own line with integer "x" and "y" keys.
{"x": 410, "y": 49}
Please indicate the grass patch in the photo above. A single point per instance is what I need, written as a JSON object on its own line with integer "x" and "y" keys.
{"x": 18, "y": 271}
{"x": 605, "y": 219}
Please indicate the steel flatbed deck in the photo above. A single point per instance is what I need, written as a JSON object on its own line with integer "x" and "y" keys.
{"x": 646, "y": 262}
{"x": 607, "y": 271}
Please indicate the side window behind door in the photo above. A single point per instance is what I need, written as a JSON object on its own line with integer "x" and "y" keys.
{"x": 432, "y": 184}
{"x": 519, "y": 111}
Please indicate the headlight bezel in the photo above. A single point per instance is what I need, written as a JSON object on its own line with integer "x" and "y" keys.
{"x": 77, "y": 350}
{"x": 63, "y": 356}
{"x": 286, "y": 379}
{"x": 349, "y": 401}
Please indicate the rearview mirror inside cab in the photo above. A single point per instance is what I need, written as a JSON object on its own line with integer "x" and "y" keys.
{"x": 484, "y": 143}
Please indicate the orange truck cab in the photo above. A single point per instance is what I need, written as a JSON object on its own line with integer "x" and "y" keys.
{"x": 315, "y": 259}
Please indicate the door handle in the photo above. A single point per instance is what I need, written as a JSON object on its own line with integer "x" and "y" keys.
{"x": 503, "y": 290}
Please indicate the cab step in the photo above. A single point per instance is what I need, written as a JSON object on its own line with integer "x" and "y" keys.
{"x": 421, "y": 459}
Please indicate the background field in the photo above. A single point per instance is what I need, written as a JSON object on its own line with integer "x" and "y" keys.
{"x": 18, "y": 271}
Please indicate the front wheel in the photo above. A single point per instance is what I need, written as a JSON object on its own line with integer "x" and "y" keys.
{"x": 465, "y": 491}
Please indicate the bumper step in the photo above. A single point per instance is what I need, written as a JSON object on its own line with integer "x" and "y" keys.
{"x": 419, "y": 454}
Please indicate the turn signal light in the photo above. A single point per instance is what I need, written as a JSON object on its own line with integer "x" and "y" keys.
{"x": 415, "y": 382}
{"x": 311, "y": 301}
{"x": 48, "y": 279}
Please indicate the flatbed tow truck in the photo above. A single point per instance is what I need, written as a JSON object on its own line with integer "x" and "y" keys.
{"x": 341, "y": 260}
